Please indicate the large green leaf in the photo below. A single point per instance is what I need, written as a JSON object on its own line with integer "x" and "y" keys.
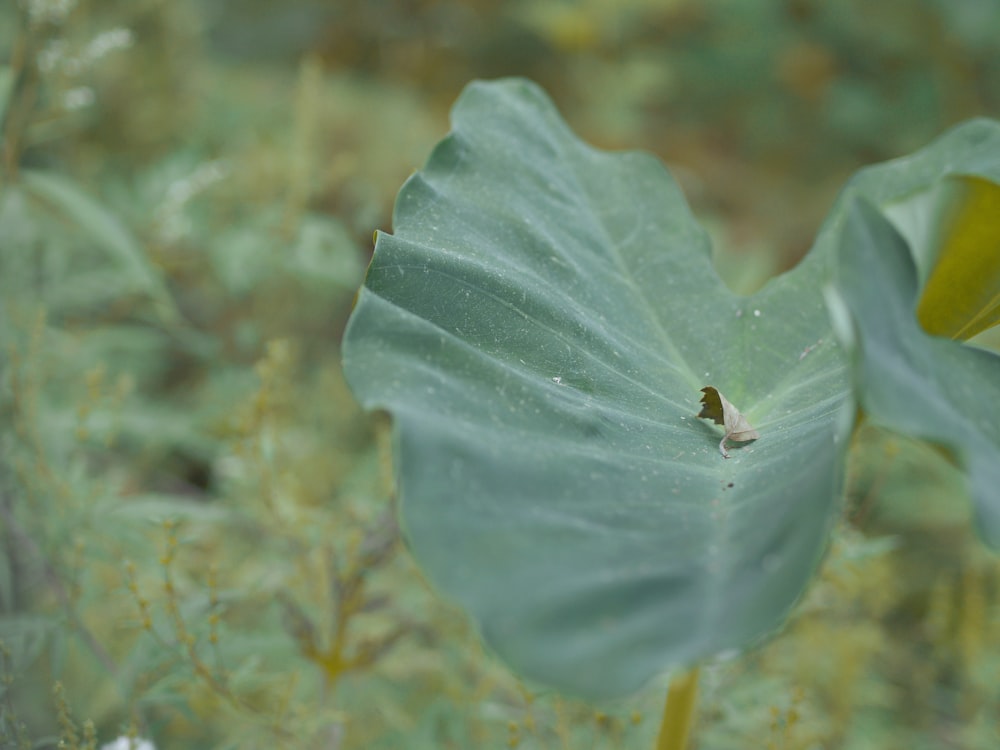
{"x": 540, "y": 326}
{"x": 910, "y": 381}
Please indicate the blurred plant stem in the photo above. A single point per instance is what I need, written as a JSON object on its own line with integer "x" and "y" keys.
{"x": 351, "y": 598}
{"x": 678, "y": 713}
{"x": 18, "y": 109}
{"x": 21, "y": 537}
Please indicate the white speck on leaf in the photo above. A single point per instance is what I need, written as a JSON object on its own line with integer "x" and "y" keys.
{"x": 756, "y": 313}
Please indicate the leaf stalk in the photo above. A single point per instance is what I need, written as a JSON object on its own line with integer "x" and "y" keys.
{"x": 678, "y": 712}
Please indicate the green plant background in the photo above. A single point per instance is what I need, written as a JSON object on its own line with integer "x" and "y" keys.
{"x": 196, "y": 534}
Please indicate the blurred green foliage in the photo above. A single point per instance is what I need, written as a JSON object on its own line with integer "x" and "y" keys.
{"x": 197, "y": 542}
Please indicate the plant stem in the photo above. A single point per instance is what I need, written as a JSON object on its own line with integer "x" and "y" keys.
{"x": 678, "y": 713}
